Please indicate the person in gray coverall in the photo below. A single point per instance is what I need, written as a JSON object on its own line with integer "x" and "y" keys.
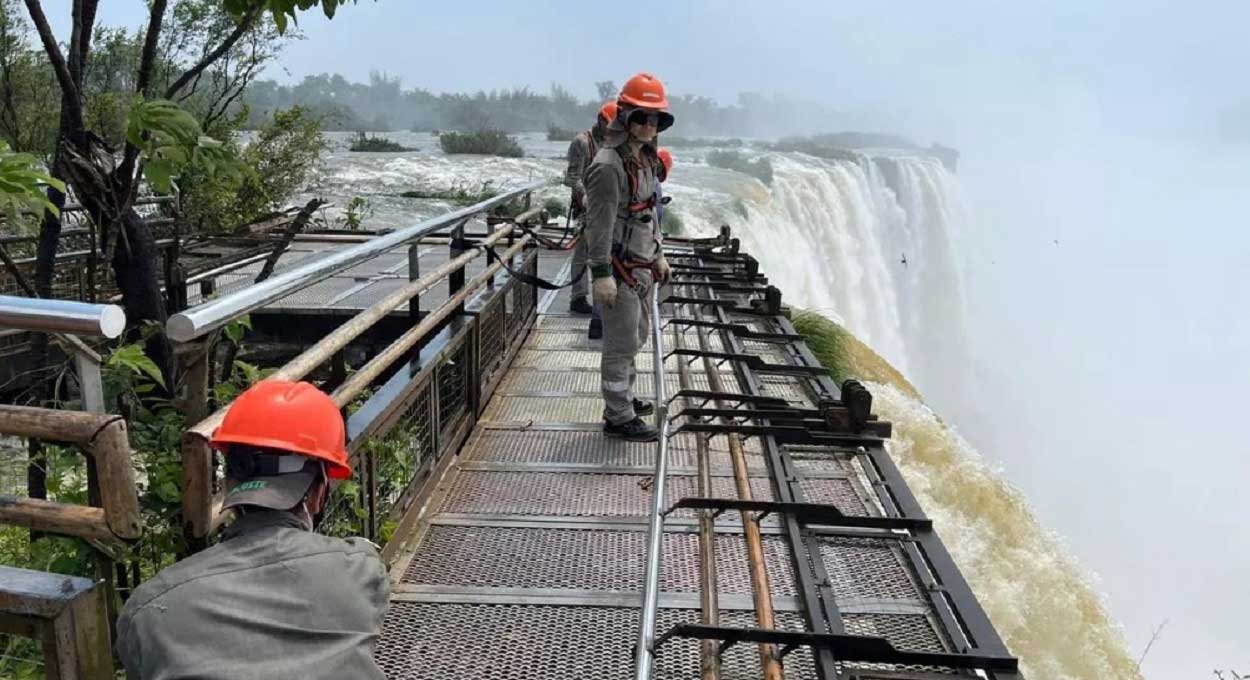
{"x": 625, "y": 257}
{"x": 581, "y": 152}
{"x": 273, "y": 600}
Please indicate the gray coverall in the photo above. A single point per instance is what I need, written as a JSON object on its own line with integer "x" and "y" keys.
{"x": 271, "y": 601}
{"x": 581, "y": 152}
{"x": 609, "y": 221}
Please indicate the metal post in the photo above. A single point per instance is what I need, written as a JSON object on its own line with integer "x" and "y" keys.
{"x": 456, "y": 280}
{"x": 709, "y": 597}
{"x": 644, "y": 652}
{"x": 414, "y": 273}
{"x": 90, "y": 382}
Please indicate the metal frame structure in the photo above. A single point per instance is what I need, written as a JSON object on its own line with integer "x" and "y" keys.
{"x": 717, "y": 280}
{"x": 430, "y": 380}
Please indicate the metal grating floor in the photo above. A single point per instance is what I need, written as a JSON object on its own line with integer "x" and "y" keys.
{"x": 527, "y": 561}
{"x": 532, "y": 642}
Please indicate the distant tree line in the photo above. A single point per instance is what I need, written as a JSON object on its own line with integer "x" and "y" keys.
{"x": 383, "y": 104}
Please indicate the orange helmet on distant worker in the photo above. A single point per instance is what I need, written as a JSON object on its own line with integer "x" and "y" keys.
{"x": 646, "y": 91}
{"x": 608, "y": 111}
{"x": 666, "y": 158}
{"x": 290, "y": 417}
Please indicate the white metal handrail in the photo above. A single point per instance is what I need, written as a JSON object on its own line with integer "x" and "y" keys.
{"x": 644, "y": 652}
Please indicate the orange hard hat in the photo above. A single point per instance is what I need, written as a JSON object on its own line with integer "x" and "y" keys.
{"x": 666, "y": 157}
{"x": 645, "y": 91}
{"x": 608, "y": 111}
{"x": 294, "y": 417}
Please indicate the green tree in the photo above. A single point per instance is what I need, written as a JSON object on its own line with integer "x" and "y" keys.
{"x": 159, "y": 140}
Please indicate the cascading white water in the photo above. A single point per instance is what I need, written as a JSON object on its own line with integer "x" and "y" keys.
{"x": 833, "y": 236}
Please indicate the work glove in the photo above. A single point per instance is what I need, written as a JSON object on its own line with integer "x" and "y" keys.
{"x": 663, "y": 269}
{"x": 605, "y": 291}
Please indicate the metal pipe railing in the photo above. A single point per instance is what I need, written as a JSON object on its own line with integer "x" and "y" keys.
{"x": 210, "y": 316}
{"x": 61, "y": 316}
{"x": 644, "y": 651}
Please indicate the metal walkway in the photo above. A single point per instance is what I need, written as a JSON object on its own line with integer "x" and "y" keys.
{"x": 529, "y": 555}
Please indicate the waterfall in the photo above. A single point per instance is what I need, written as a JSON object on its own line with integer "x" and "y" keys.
{"x": 833, "y": 234}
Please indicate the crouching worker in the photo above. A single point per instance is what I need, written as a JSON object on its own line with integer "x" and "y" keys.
{"x": 273, "y": 599}
{"x": 625, "y": 257}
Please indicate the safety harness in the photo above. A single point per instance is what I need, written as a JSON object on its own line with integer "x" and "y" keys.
{"x": 623, "y": 266}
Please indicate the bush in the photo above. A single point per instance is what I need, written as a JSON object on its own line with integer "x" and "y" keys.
{"x": 284, "y": 156}
{"x": 673, "y": 224}
{"x": 363, "y": 142}
{"x": 759, "y": 168}
{"x": 555, "y": 207}
{"x": 555, "y": 133}
{"x": 459, "y": 193}
{"x": 484, "y": 142}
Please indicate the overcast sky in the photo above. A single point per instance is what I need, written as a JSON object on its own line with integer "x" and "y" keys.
{"x": 1113, "y": 364}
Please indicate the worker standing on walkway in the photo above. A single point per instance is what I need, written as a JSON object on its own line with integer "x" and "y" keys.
{"x": 625, "y": 256}
{"x": 273, "y": 600}
{"x": 661, "y": 173}
{"x": 581, "y": 152}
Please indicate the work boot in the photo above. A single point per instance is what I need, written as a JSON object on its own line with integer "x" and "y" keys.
{"x": 579, "y": 305}
{"x": 643, "y": 408}
{"x": 596, "y": 329}
{"x": 632, "y": 430}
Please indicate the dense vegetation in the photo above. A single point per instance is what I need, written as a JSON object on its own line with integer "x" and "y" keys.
{"x": 366, "y": 142}
{"x": 384, "y": 104}
{"x": 488, "y": 142}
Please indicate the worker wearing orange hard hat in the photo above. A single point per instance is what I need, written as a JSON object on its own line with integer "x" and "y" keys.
{"x": 622, "y": 230}
{"x": 272, "y": 599}
{"x": 581, "y": 152}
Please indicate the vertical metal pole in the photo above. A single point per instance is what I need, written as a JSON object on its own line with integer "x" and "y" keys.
{"x": 414, "y": 273}
{"x": 761, "y": 589}
{"x": 644, "y": 653}
{"x": 90, "y": 382}
{"x": 455, "y": 280}
{"x": 709, "y": 598}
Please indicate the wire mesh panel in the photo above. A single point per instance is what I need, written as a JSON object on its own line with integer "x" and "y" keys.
{"x": 453, "y": 388}
{"x": 20, "y": 657}
{"x": 492, "y": 340}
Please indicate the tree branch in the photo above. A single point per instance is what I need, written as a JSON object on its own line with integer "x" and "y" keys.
{"x": 63, "y": 76}
{"x": 144, "y": 80}
{"x": 245, "y": 24}
{"x": 126, "y": 171}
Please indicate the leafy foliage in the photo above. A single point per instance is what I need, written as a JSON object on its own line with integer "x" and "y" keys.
{"x": 171, "y": 141}
{"x": 486, "y": 142}
{"x": 364, "y": 142}
{"x": 22, "y": 185}
{"x": 460, "y": 194}
{"x": 279, "y": 161}
{"x": 284, "y": 11}
{"x": 555, "y": 207}
{"x": 555, "y": 133}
